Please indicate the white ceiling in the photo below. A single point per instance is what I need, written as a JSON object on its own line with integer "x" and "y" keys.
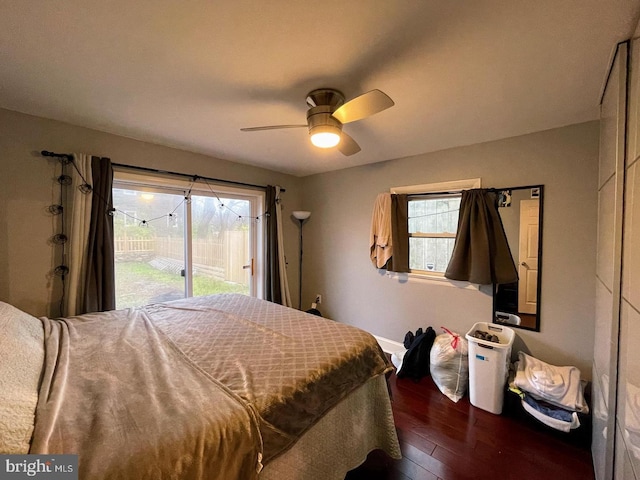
{"x": 190, "y": 74}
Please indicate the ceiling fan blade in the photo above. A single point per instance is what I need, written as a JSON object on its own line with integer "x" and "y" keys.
{"x": 363, "y": 106}
{"x": 348, "y": 146}
{"x": 271, "y": 127}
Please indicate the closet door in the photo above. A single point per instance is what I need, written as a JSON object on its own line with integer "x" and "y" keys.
{"x": 627, "y": 456}
{"x": 609, "y": 264}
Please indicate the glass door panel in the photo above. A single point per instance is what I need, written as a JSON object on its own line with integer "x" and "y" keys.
{"x": 149, "y": 246}
{"x": 221, "y": 245}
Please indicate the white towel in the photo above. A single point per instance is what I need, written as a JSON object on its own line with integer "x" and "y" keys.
{"x": 560, "y": 386}
{"x": 632, "y": 420}
{"x": 397, "y": 358}
{"x": 380, "y": 239}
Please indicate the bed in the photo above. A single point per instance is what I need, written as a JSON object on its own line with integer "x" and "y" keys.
{"x": 217, "y": 387}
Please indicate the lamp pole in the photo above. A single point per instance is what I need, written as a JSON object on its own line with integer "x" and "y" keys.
{"x": 301, "y": 216}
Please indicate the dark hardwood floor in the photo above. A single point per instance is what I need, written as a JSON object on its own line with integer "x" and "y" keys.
{"x": 444, "y": 440}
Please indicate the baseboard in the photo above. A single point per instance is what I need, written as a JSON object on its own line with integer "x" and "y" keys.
{"x": 389, "y": 346}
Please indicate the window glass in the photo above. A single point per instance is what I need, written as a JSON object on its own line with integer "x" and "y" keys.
{"x": 221, "y": 245}
{"x": 433, "y": 221}
{"x": 149, "y": 247}
{"x": 174, "y": 240}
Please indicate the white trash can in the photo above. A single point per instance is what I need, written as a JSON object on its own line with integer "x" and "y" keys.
{"x": 489, "y": 366}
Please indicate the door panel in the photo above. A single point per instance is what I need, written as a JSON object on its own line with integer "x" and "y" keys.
{"x": 528, "y": 256}
{"x": 149, "y": 246}
{"x": 221, "y": 245}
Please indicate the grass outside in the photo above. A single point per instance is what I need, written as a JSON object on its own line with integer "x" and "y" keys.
{"x": 138, "y": 283}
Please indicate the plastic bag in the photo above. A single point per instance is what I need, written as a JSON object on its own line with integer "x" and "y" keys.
{"x": 449, "y": 364}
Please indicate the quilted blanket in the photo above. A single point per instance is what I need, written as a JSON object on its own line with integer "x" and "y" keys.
{"x": 203, "y": 388}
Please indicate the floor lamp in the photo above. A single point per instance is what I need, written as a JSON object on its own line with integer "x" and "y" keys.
{"x": 301, "y": 216}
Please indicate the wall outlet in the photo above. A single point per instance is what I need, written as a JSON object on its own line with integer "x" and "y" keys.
{"x": 318, "y": 298}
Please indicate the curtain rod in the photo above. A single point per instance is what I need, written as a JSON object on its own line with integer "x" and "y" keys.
{"x": 69, "y": 157}
{"x": 449, "y": 192}
{"x": 66, "y": 156}
{"x": 424, "y": 194}
{"x": 458, "y": 192}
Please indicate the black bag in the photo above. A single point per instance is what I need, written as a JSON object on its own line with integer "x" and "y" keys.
{"x": 415, "y": 364}
{"x": 410, "y": 337}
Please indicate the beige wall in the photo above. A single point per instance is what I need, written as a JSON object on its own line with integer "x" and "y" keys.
{"x": 26, "y": 258}
{"x": 337, "y": 262}
{"x": 337, "y": 235}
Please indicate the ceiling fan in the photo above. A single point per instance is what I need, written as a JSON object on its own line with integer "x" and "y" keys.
{"x": 328, "y": 112}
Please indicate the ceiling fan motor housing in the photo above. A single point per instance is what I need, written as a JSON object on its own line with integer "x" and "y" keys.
{"x": 323, "y": 102}
{"x": 320, "y": 120}
{"x": 325, "y": 96}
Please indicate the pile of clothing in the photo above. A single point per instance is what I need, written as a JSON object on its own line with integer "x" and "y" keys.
{"x": 489, "y": 337}
{"x": 553, "y": 395}
{"x": 414, "y": 361}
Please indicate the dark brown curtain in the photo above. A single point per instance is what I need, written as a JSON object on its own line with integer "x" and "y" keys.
{"x": 99, "y": 291}
{"x": 399, "y": 261}
{"x": 481, "y": 252}
{"x": 273, "y": 292}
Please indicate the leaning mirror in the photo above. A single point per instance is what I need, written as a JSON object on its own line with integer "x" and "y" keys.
{"x": 518, "y": 304}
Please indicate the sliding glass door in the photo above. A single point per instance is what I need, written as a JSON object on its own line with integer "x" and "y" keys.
{"x": 175, "y": 240}
{"x": 221, "y": 245}
{"x": 149, "y": 246}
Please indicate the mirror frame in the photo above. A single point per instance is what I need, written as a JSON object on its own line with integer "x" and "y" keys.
{"x": 539, "y": 285}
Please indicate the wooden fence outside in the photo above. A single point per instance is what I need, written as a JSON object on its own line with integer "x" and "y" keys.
{"x": 221, "y": 257}
{"x": 127, "y": 244}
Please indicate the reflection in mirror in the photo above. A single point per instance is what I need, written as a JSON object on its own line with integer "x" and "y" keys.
{"x": 518, "y": 304}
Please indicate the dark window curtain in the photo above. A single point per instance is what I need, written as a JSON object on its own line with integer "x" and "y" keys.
{"x": 99, "y": 289}
{"x": 481, "y": 252}
{"x": 273, "y": 292}
{"x": 399, "y": 261}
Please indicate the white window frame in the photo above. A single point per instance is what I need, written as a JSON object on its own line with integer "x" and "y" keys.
{"x": 126, "y": 179}
{"x": 434, "y": 188}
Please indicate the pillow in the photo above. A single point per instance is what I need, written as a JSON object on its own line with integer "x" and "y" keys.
{"x": 22, "y": 354}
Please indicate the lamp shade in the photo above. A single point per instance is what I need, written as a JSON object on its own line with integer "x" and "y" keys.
{"x": 301, "y": 214}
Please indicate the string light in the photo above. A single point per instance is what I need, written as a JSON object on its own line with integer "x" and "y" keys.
{"x": 87, "y": 188}
{"x": 143, "y": 222}
{"x": 64, "y": 180}
{"x": 55, "y": 209}
{"x": 61, "y": 271}
{"x": 60, "y": 239}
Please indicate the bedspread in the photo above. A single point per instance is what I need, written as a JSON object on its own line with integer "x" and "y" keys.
{"x": 202, "y": 388}
{"x": 291, "y": 367}
{"x": 118, "y": 394}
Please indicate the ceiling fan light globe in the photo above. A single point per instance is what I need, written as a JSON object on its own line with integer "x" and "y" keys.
{"x": 325, "y": 139}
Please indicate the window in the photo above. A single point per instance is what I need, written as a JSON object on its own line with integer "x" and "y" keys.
{"x": 433, "y": 222}
{"x": 171, "y": 245}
